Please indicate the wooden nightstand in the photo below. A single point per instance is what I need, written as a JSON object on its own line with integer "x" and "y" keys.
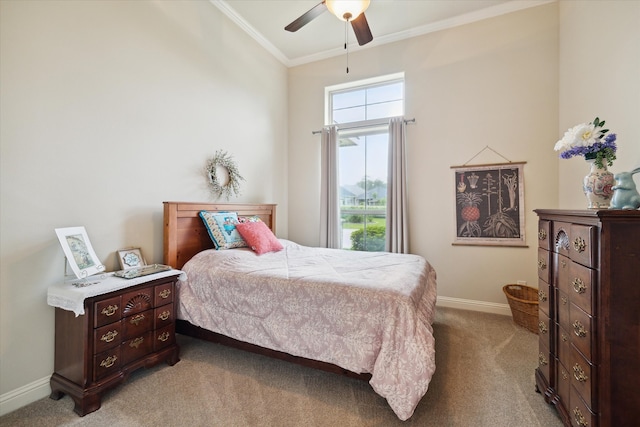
{"x": 120, "y": 331}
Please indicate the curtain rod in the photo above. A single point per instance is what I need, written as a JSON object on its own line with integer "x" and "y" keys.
{"x": 315, "y": 132}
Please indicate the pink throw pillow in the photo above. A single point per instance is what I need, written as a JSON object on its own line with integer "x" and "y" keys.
{"x": 259, "y": 237}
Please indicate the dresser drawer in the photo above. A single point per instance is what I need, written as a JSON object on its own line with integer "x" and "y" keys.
{"x": 106, "y": 363}
{"x": 137, "y": 347}
{"x": 561, "y": 238}
{"x": 163, "y": 294}
{"x": 583, "y": 250}
{"x": 582, "y": 377}
{"x": 544, "y": 298}
{"x": 562, "y": 265}
{"x": 564, "y": 384}
{"x": 581, "y": 290}
{"x": 544, "y": 235}
{"x": 544, "y": 270}
{"x": 544, "y": 328}
{"x": 163, "y": 316}
{"x": 544, "y": 361}
{"x": 107, "y": 337}
{"x": 137, "y": 301}
{"x": 107, "y": 311}
{"x": 581, "y": 415}
{"x": 563, "y": 311}
{"x": 164, "y": 337}
{"x": 581, "y": 327}
{"x": 137, "y": 324}
{"x": 564, "y": 345}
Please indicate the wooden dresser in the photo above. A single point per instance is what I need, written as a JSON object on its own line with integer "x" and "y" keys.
{"x": 120, "y": 332}
{"x": 589, "y": 294}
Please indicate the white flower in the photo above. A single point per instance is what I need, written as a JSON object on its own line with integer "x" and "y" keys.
{"x": 582, "y": 135}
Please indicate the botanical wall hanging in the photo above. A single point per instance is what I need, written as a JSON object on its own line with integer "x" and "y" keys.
{"x": 489, "y": 204}
{"x": 222, "y": 161}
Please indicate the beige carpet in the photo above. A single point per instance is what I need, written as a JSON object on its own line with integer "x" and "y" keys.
{"x": 484, "y": 377}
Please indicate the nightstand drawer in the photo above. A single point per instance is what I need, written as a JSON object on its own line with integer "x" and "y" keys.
{"x": 164, "y": 337}
{"x": 163, "y": 316}
{"x": 108, "y": 311}
{"x": 137, "y": 324}
{"x": 163, "y": 294}
{"x": 137, "y": 347}
{"x": 107, "y": 337}
{"x": 137, "y": 301}
{"x": 106, "y": 363}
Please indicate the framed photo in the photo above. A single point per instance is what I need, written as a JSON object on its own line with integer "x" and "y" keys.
{"x": 489, "y": 204}
{"x": 130, "y": 258}
{"x": 79, "y": 252}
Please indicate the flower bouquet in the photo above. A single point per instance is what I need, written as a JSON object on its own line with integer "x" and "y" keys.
{"x": 589, "y": 140}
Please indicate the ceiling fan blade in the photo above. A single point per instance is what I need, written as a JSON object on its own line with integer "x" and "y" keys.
{"x": 307, "y": 17}
{"x": 361, "y": 28}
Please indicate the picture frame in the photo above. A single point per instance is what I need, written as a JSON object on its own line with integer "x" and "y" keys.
{"x": 130, "y": 258}
{"x": 489, "y": 204}
{"x": 78, "y": 250}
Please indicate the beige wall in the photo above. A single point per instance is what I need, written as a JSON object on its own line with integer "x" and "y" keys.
{"x": 599, "y": 76}
{"x": 108, "y": 109}
{"x": 492, "y": 83}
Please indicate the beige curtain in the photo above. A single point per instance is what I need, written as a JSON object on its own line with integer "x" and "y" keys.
{"x": 330, "y": 197}
{"x": 397, "y": 239}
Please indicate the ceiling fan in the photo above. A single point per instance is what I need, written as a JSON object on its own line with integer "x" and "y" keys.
{"x": 347, "y": 10}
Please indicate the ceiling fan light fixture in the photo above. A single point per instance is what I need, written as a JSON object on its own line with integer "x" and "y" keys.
{"x": 347, "y": 10}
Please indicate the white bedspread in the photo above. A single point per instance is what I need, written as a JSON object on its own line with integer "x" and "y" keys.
{"x": 368, "y": 312}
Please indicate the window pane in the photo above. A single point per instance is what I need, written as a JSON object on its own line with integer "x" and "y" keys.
{"x": 347, "y": 115}
{"x": 390, "y": 92}
{"x": 385, "y": 109}
{"x": 348, "y": 99}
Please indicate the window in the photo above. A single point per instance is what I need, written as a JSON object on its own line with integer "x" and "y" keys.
{"x": 362, "y": 111}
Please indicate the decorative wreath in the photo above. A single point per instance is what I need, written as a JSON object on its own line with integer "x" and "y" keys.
{"x": 223, "y": 160}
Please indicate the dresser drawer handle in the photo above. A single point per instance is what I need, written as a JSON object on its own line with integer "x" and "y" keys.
{"x": 164, "y": 315}
{"x": 165, "y": 294}
{"x": 579, "y": 286}
{"x": 564, "y": 337}
{"x": 109, "y": 361}
{"x": 164, "y": 336}
{"x": 542, "y": 361}
{"x": 542, "y": 327}
{"x": 579, "y": 418}
{"x": 109, "y": 336}
{"x": 110, "y": 311}
{"x": 579, "y": 244}
{"x": 563, "y": 263}
{"x": 136, "y": 343}
{"x": 579, "y": 330}
{"x": 565, "y": 376}
{"x": 579, "y": 374}
{"x": 542, "y": 296}
{"x": 564, "y": 300}
{"x": 136, "y": 319}
{"x": 542, "y": 235}
{"x": 542, "y": 265}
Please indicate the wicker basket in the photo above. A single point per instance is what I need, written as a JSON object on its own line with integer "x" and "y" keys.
{"x": 523, "y": 301}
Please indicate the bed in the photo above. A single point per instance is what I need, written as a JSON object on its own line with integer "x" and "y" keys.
{"x": 366, "y": 315}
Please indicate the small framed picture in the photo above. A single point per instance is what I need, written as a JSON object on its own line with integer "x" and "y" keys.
{"x": 77, "y": 248}
{"x": 130, "y": 258}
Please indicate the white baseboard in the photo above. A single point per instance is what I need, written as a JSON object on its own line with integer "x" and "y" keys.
{"x": 40, "y": 388}
{"x": 24, "y": 395}
{"x": 467, "y": 304}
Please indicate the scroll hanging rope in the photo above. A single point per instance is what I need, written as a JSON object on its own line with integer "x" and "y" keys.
{"x": 483, "y": 150}
{"x": 223, "y": 160}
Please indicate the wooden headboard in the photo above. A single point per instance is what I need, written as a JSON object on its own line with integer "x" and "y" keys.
{"x": 185, "y": 234}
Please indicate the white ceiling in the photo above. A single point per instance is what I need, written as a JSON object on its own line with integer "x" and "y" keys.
{"x": 389, "y": 20}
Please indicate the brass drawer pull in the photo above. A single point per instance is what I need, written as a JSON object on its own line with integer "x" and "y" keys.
{"x": 135, "y": 320}
{"x": 565, "y": 376}
{"x": 579, "y": 374}
{"x": 164, "y": 315}
{"x": 542, "y": 327}
{"x": 542, "y": 361}
{"x": 579, "y": 330}
{"x": 579, "y": 244}
{"x": 563, "y": 263}
{"x": 564, "y": 337}
{"x": 109, "y": 361}
{"x": 579, "y": 286}
{"x": 136, "y": 343}
{"x": 564, "y": 300}
{"x": 165, "y": 294}
{"x": 109, "y": 336}
{"x": 542, "y": 265}
{"x": 110, "y": 311}
{"x": 164, "y": 336}
{"x": 542, "y": 235}
{"x": 579, "y": 418}
{"x": 542, "y": 296}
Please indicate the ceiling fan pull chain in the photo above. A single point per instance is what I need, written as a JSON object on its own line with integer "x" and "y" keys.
{"x": 346, "y": 42}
